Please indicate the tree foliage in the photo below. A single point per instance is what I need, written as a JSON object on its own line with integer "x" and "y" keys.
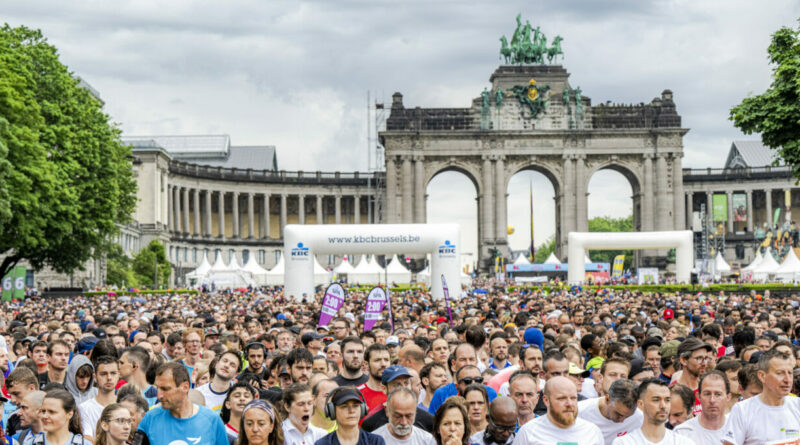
{"x": 775, "y": 114}
{"x": 544, "y": 250}
{"x": 66, "y": 181}
{"x": 608, "y": 224}
{"x": 118, "y": 268}
{"x": 144, "y": 264}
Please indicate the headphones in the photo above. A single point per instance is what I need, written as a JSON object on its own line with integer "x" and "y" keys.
{"x": 255, "y": 344}
{"x": 330, "y": 409}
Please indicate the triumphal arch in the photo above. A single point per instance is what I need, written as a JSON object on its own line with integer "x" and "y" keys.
{"x": 532, "y": 118}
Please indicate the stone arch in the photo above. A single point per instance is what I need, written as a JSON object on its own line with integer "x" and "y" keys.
{"x": 548, "y": 171}
{"x": 472, "y": 172}
{"x": 630, "y": 172}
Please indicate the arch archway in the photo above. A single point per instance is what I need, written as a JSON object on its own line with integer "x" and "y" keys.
{"x": 536, "y": 188}
{"x": 451, "y": 196}
{"x": 613, "y": 197}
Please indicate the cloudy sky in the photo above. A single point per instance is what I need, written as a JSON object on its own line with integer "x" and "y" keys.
{"x": 296, "y": 74}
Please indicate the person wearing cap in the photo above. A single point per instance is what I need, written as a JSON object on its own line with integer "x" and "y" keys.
{"x": 577, "y": 375}
{"x": 210, "y": 336}
{"x": 561, "y": 424}
{"x": 393, "y": 378}
{"x": 347, "y": 404}
{"x": 615, "y": 412}
{"x": 653, "y": 399}
{"x": 400, "y": 429}
{"x": 313, "y": 342}
{"x": 393, "y": 344}
{"x": 668, "y": 352}
{"x": 695, "y": 356}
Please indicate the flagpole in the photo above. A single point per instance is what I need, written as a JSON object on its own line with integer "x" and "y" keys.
{"x": 533, "y": 247}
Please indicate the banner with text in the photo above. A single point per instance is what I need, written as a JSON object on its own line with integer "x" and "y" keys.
{"x": 14, "y": 284}
{"x": 331, "y": 303}
{"x": 739, "y": 207}
{"x": 619, "y": 262}
{"x": 376, "y": 301}
{"x": 447, "y": 300}
{"x": 720, "y": 208}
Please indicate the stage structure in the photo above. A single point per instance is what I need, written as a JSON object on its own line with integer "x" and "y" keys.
{"x": 302, "y": 242}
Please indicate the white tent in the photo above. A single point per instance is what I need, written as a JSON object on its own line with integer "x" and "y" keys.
{"x": 344, "y": 268}
{"x": 366, "y": 272}
{"x": 233, "y": 265}
{"x": 552, "y": 259}
{"x": 756, "y": 261}
{"x": 201, "y": 271}
{"x": 789, "y": 270}
{"x": 767, "y": 267}
{"x": 227, "y": 276}
{"x": 586, "y": 259}
{"x": 258, "y": 273}
{"x": 275, "y": 275}
{"x": 321, "y": 275}
{"x": 720, "y": 265}
{"x": 522, "y": 259}
{"x": 396, "y": 272}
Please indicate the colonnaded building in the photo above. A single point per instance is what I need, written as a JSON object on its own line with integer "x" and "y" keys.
{"x": 204, "y": 195}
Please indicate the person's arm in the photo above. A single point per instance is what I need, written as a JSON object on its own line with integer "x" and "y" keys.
{"x": 436, "y": 401}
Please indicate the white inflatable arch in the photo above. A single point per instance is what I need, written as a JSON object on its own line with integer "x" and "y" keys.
{"x": 302, "y": 242}
{"x": 578, "y": 242}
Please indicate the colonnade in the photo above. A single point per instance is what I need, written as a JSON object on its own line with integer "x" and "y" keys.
{"x": 766, "y": 193}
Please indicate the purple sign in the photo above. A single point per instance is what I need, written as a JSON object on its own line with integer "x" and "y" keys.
{"x": 331, "y": 303}
{"x": 447, "y": 300}
{"x": 376, "y": 301}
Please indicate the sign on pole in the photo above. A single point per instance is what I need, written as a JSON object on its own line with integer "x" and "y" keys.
{"x": 619, "y": 262}
{"x": 331, "y": 303}
{"x": 447, "y": 300}
{"x": 13, "y": 284}
{"x": 376, "y": 301}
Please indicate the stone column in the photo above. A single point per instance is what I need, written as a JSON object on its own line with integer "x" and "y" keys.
{"x": 730, "y": 211}
{"x": 750, "y": 211}
{"x": 419, "y": 191}
{"x": 768, "y": 216}
{"x": 487, "y": 200}
{"x": 301, "y": 208}
{"x": 319, "y": 210}
{"x": 197, "y": 229}
{"x": 710, "y": 208}
{"x": 500, "y": 199}
{"x": 677, "y": 191}
{"x": 176, "y": 209}
{"x": 235, "y": 211}
{"x": 338, "y": 207}
{"x": 661, "y": 193}
{"x": 689, "y": 211}
{"x": 580, "y": 194}
{"x": 265, "y": 216}
{"x": 568, "y": 207}
{"x": 648, "y": 220}
{"x": 357, "y": 209}
{"x": 170, "y": 217}
{"x": 391, "y": 191}
{"x": 283, "y": 213}
{"x": 221, "y": 214}
{"x": 207, "y": 231}
{"x": 408, "y": 193}
{"x": 185, "y": 211}
{"x": 251, "y": 217}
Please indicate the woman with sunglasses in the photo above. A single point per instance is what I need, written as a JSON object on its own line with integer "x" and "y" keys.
{"x": 114, "y": 425}
{"x": 260, "y": 425}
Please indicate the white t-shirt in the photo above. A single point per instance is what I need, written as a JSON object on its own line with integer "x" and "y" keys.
{"x": 214, "y": 400}
{"x": 589, "y": 410}
{"x": 752, "y": 422}
{"x": 90, "y": 413}
{"x": 417, "y": 437}
{"x": 692, "y": 429}
{"x": 588, "y": 390}
{"x": 541, "y": 431}
{"x": 670, "y": 438}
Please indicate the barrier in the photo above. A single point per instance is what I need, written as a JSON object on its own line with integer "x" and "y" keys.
{"x": 302, "y": 242}
{"x": 579, "y": 242}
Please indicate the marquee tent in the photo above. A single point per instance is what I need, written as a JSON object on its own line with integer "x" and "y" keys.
{"x": 344, "y": 268}
{"x": 721, "y": 267}
{"x": 767, "y": 267}
{"x": 275, "y": 275}
{"x": 756, "y": 261}
{"x": 366, "y": 272}
{"x": 396, "y": 272}
{"x": 789, "y": 270}
{"x": 321, "y": 275}
{"x": 522, "y": 259}
{"x": 552, "y": 259}
{"x": 202, "y": 270}
{"x": 258, "y": 273}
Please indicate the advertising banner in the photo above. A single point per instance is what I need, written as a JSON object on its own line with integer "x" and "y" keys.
{"x": 447, "y": 300}
{"x": 739, "y": 207}
{"x": 776, "y": 217}
{"x": 648, "y": 275}
{"x": 619, "y": 262}
{"x": 13, "y": 284}
{"x": 331, "y": 303}
{"x": 720, "y": 207}
{"x": 376, "y": 301}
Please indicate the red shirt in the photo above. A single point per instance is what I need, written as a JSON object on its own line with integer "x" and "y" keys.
{"x": 373, "y": 398}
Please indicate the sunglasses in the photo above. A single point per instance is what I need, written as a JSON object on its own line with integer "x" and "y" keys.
{"x": 471, "y": 380}
{"x": 507, "y": 428}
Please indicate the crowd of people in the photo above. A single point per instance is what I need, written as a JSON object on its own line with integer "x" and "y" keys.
{"x": 503, "y": 366}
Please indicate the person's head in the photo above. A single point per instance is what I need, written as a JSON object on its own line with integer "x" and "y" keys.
{"x": 714, "y": 393}
{"x": 502, "y": 419}
{"x": 130, "y": 396}
{"x": 451, "y": 423}
{"x": 433, "y": 376}
{"x": 299, "y": 361}
{"x": 555, "y": 364}
{"x": 775, "y": 373}
{"x": 401, "y": 409}
{"x": 477, "y": 403}
{"x": 523, "y": 387}
{"x": 38, "y": 352}
{"x": 173, "y": 384}
{"x": 620, "y": 400}
{"x": 237, "y": 398}
{"x": 561, "y": 398}
{"x": 340, "y": 327}
{"x": 611, "y": 370}
{"x": 115, "y": 422}
{"x": 20, "y": 382}
{"x": 466, "y": 376}
{"x": 681, "y": 404}
{"x": 749, "y": 382}
{"x": 133, "y": 361}
{"x": 352, "y": 354}
{"x": 464, "y": 355}
{"x": 226, "y": 365}
{"x": 299, "y": 404}
{"x": 695, "y": 356}
{"x": 499, "y": 347}
{"x": 347, "y": 406}
{"x": 439, "y": 350}
{"x": 652, "y": 356}
{"x": 59, "y": 413}
{"x": 29, "y": 407}
{"x": 260, "y": 425}
{"x": 320, "y": 392}
{"x": 106, "y": 374}
{"x": 377, "y": 357}
{"x": 731, "y": 370}
{"x": 58, "y": 355}
{"x": 192, "y": 339}
{"x": 653, "y": 399}
{"x": 530, "y": 358}
{"x": 255, "y": 353}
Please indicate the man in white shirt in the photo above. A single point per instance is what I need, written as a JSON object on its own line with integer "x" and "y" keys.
{"x": 524, "y": 389}
{"x": 773, "y": 415}
{"x": 614, "y": 413}
{"x": 653, "y": 400}
{"x": 401, "y": 408}
{"x": 561, "y": 424}
{"x": 106, "y": 374}
{"x": 224, "y": 369}
{"x": 708, "y": 427}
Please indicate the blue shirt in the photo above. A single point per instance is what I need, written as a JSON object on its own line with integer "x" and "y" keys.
{"x": 203, "y": 428}
{"x": 364, "y": 438}
{"x": 450, "y": 390}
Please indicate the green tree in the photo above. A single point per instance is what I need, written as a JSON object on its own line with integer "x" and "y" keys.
{"x": 775, "y": 114}
{"x": 66, "y": 182}
{"x": 608, "y": 224}
{"x": 144, "y": 264}
{"x": 544, "y": 250}
{"x": 118, "y": 268}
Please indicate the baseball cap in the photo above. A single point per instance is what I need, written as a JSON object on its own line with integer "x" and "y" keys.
{"x": 594, "y": 363}
{"x": 670, "y": 348}
{"x": 309, "y": 336}
{"x": 86, "y": 344}
{"x": 345, "y": 395}
{"x": 575, "y": 370}
{"x": 393, "y": 372}
{"x": 210, "y": 331}
{"x": 100, "y": 333}
{"x": 392, "y": 340}
{"x": 668, "y": 314}
{"x": 534, "y": 336}
{"x": 655, "y": 332}
{"x": 692, "y": 344}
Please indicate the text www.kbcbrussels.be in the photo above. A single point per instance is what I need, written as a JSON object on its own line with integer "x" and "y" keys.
{"x": 358, "y": 239}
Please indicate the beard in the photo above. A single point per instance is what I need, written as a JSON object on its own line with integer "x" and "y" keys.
{"x": 567, "y": 418}
{"x": 350, "y": 368}
{"x": 402, "y": 430}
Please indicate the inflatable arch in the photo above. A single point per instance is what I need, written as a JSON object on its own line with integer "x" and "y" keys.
{"x": 681, "y": 240}
{"x": 302, "y": 242}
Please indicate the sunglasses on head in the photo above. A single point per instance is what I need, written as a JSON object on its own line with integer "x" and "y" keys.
{"x": 471, "y": 380}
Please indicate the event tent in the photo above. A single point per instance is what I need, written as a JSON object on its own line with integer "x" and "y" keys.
{"x": 720, "y": 265}
{"x": 767, "y": 267}
{"x": 275, "y": 275}
{"x": 258, "y": 273}
{"x": 789, "y": 270}
{"x": 201, "y": 271}
{"x": 522, "y": 259}
{"x": 321, "y": 275}
{"x": 366, "y": 272}
{"x": 552, "y": 259}
{"x": 344, "y": 268}
{"x": 396, "y": 272}
{"x": 756, "y": 261}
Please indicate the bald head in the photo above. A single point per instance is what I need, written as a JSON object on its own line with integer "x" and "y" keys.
{"x": 559, "y": 385}
{"x": 503, "y": 407}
